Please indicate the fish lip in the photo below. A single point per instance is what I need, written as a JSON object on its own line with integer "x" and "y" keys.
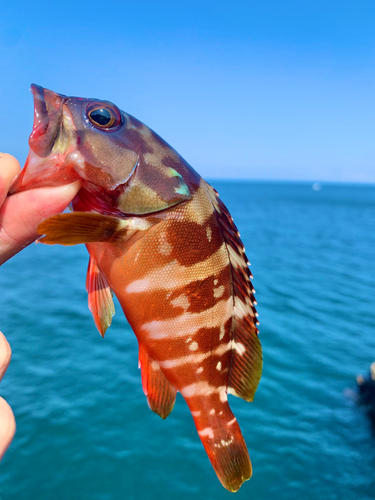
{"x": 41, "y": 119}
{"x": 40, "y": 166}
{"x": 47, "y": 118}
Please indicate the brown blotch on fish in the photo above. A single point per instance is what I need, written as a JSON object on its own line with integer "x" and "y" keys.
{"x": 141, "y": 145}
{"x": 177, "y": 237}
{"x": 201, "y": 293}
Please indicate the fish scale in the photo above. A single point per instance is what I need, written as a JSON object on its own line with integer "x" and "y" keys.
{"x": 162, "y": 241}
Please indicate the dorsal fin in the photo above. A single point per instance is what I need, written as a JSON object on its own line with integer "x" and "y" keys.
{"x": 246, "y": 360}
{"x": 99, "y": 297}
{"x": 161, "y": 395}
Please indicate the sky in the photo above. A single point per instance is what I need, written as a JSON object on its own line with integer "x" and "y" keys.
{"x": 273, "y": 90}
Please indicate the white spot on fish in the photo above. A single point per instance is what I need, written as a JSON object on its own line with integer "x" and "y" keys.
{"x": 212, "y": 412}
{"x": 233, "y": 392}
{"x": 236, "y": 260}
{"x": 224, "y": 443}
{"x": 240, "y": 348}
{"x": 222, "y": 332}
{"x": 223, "y": 394}
{"x": 138, "y": 286}
{"x": 207, "y": 432}
{"x": 193, "y": 346}
{"x": 181, "y": 301}
{"x": 216, "y": 282}
{"x": 202, "y": 388}
{"x": 165, "y": 248}
{"x": 218, "y": 292}
{"x": 200, "y": 370}
{"x": 231, "y": 422}
{"x": 197, "y": 413}
{"x": 242, "y": 309}
{"x": 218, "y": 366}
{"x": 209, "y": 233}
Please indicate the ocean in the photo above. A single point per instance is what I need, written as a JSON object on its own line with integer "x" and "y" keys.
{"x": 84, "y": 430}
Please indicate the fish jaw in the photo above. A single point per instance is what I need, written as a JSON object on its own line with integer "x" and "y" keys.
{"x": 47, "y": 117}
{"x": 53, "y": 157}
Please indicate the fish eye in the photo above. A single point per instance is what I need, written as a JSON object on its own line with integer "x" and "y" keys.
{"x": 103, "y": 115}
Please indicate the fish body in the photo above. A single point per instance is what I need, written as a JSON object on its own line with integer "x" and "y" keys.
{"x": 162, "y": 241}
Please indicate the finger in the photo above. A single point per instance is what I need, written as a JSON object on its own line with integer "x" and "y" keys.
{"x": 7, "y": 421}
{"x": 5, "y": 355}
{"x": 9, "y": 168}
{"x": 22, "y": 213}
{"x": 7, "y": 426}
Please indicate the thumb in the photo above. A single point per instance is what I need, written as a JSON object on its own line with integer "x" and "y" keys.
{"x": 22, "y": 213}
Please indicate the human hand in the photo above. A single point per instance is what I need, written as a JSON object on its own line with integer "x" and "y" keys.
{"x": 21, "y": 213}
{"x": 7, "y": 422}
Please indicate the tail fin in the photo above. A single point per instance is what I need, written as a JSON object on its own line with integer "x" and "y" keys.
{"x": 228, "y": 454}
{"x": 222, "y": 439}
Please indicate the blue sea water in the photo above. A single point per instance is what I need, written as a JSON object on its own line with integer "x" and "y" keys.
{"x": 84, "y": 430}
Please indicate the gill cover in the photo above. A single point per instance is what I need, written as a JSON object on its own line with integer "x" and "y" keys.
{"x": 151, "y": 188}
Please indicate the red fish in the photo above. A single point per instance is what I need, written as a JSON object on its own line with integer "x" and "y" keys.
{"x": 162, "y": 241}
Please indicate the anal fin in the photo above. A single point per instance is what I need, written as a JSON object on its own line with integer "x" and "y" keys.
{"x": 99, "y": 297}
{"x": 161, "y": 395}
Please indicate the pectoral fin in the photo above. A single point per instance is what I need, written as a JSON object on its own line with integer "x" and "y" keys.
{"x": 161, "y": 395}
{"x": 83, "y": 227}
{"x": 99, "y": 297}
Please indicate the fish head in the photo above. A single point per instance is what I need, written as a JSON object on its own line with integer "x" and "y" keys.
{"x": 123, "y": 165}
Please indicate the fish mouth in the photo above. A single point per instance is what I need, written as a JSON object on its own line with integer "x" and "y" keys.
{"x": 47, "y": 119}
{"x": 44, "y": 165}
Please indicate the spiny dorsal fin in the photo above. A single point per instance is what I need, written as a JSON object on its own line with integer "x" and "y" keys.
{"x": 161, "y": 395}
{"x": 99, "y": 297}
{"x": 246, "y": 361}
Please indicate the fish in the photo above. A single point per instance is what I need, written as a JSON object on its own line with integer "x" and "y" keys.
{"x": 162, "y": 241}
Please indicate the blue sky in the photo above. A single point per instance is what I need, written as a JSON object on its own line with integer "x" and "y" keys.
{"x": 257, "y": 90}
